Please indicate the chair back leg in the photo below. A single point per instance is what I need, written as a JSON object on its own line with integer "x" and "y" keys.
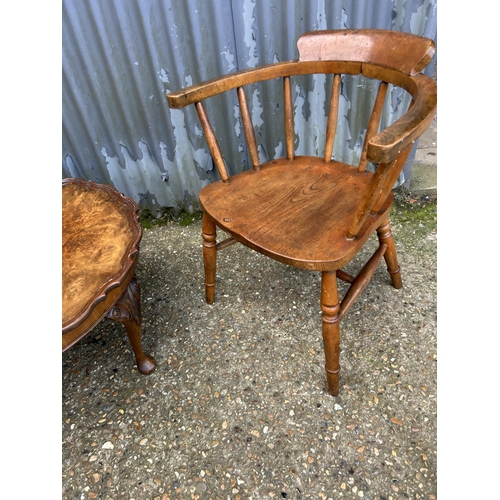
{"x": 209, "y": 234}
{"x": 331, "y": 329}
{"x": 391, "y": 259}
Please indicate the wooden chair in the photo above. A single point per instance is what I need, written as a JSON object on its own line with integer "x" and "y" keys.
{"x": 314, "y": 212}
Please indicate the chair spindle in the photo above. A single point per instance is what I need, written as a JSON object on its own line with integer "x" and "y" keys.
{"x": 391, "y": 179}
{"x": 369, "y": 197}
{"x": 248, "y": 128}
{"x": 373, "y": 124}
{"x": 393, "y": 175}
{"x": 289, "y": 130}
{"x": 213, "y": 145}
{"x": 333, "y": 114}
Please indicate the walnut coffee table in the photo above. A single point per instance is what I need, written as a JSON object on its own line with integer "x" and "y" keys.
{"x": 100, "y": 250}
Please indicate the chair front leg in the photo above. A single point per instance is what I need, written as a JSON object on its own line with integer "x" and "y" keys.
{"x": 391, "y": 259}
{"x": 209, "y": 234}
{"x": 331, "y": 329}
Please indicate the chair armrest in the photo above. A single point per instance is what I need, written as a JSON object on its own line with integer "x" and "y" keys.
{"x": 388, "y": 144}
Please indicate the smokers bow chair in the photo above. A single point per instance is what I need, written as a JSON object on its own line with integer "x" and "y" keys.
{"x": 315, "y": 212}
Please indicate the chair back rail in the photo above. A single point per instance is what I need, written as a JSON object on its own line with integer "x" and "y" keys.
{"x": 404, "y": 52}
{"x": 385, "y": 145}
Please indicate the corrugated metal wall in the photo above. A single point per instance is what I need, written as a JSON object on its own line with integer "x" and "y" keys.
{"x": 120, "y": 58}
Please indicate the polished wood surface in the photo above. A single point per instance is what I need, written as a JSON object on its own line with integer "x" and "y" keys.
{"x": 100, "y": 242}
{"x": 407, "y": 53}
{"x": 100, "y": 247}
{"x": 297, "y": 212}
{"x": 316, "y": 212}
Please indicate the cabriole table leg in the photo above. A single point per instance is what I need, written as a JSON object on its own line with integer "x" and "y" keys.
{"x": 128, "y": 311}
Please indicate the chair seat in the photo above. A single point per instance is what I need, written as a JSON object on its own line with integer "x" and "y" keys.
{"x": 295, "y": 211}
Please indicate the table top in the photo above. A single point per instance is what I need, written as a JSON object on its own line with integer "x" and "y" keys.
{"x": 100, "y": 245}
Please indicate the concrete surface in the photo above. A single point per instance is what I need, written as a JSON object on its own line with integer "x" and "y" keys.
{"x": 424, "y": 173}
{"x": 238, "y": 406}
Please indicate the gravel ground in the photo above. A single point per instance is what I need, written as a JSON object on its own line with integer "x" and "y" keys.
{"x": 237, "y": 407}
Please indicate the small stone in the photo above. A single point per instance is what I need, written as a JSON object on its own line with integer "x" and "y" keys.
{"x": 108, "y": 445}
{"x": 337, "y": 407}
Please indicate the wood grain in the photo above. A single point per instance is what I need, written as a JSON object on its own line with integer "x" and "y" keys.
{"x": 310, "y": 212}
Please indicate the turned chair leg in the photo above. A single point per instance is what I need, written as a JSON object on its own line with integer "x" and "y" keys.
{"x": 331, "y": 329}
{"x": 209, "y": 256}
{"x": 391, "y": 259}
{"x": 128, "y": 311}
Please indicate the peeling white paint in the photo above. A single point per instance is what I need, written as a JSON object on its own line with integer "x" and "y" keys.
{"x": 418, "y": 18}
{"x": 138, "y": 176}
{"x": 399, "y": 11}
{"x": 299, "y": 121}
{"x": 229, "y": 60}
{"x": 317, "y": 101}
{"x": 279, "y": 150}
{"x": 252, "y": 33}
{"x": 72, "y": 168}
{"x": 314, "y": 127}
{"x": 237, "y": 124}
{"x": 248, "y": 32}
{"x": 256, "y": 109}
{"x": 344, "y": 21}
{"x": 321, "y": 15}
{"x": 181, "y": 168}
{"x": 144, "y": 175}
{"x": 164, "y": 76}
{"x": 341, "y": 150}
{"x": 263, "y": 157}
